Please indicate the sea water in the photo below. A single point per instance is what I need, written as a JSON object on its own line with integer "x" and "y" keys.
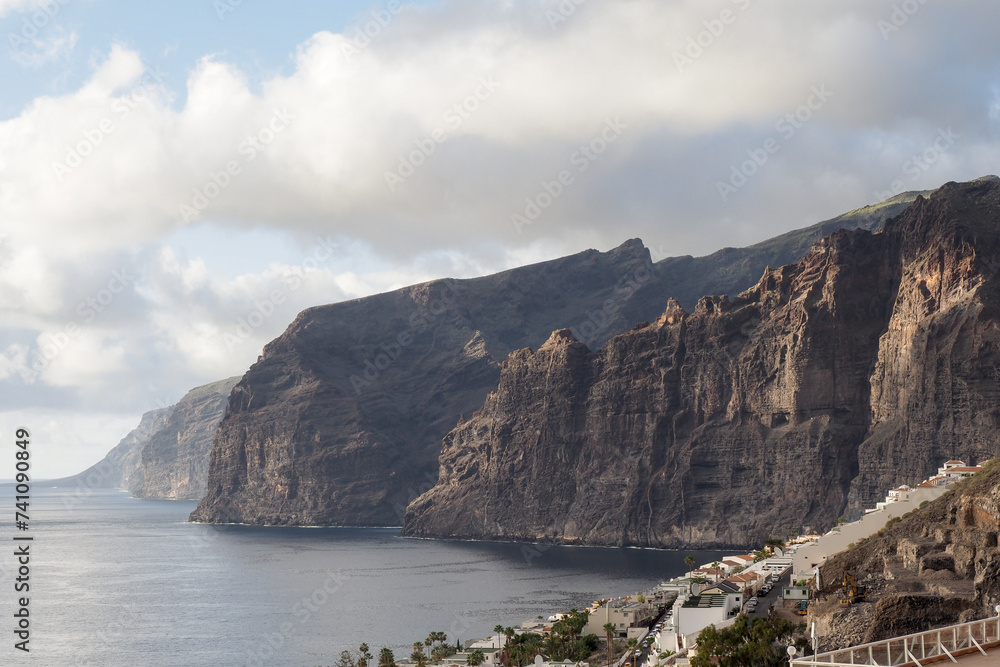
{"x": 119, "y": 581}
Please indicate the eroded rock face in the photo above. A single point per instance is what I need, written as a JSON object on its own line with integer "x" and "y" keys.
{"x": 173, "y": 461}
{"x": 939, "y": 565}
{"x": 863, "y": 366}
{"x": 341, "y": 420}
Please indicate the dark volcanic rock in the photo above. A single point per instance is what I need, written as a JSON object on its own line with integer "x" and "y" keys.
{"x": 341, "y": 419}
{"x": 340, "y": 422}
{"x": 860, "y": 367}
{"x": 174, "y": 460}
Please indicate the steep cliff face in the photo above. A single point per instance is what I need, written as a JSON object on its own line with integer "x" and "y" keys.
{"x": 173, "y": 461}
{"x": 834, "y": 378}
{"x": 340, "y": 422}
{"x": 939, "y": 565}
{"x": 121, "y": 468}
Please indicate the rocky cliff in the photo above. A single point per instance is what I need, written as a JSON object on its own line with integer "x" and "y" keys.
{"x": 341, "y": 419}
{"x": 121, "y": 468}
{"x": 340, "y": 422}
{"x": 173, "y": 460}
{"x": 938, "y": 565}
{"x": 863, "y": 365}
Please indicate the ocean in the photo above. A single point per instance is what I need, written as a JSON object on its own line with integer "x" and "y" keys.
{"x": 118, "y": 581}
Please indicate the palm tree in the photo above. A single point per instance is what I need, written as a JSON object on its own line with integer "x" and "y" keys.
{"x": 386, "y": 658}
{"x": 508, "y": 633}
{"x": 499, "y": 630}
{"x": 689, "y": 561}
{"x": 364, "y": 657}
{"x": 476, "y": 658}
{"x": 418, "y": 656}
{"x": 631, "y": 645}
{"x": 507, "y": 652}
{"x": 609, "y": 631}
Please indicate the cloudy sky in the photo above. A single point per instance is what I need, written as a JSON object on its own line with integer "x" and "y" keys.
{"x": 178, "y": 180}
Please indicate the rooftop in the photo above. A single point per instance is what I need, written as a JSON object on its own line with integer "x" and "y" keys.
{"x": 705, "y": 601}
{"x": 725, "y": 586}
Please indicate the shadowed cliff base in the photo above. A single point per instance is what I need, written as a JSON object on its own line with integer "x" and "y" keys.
{"x": 862, "y": 366}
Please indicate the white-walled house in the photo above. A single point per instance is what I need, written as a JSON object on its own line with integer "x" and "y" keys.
{"x": 623, "y": 614}
{"x": 718, "y": 606}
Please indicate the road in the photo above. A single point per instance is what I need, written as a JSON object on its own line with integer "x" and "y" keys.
{"x": 764, "y": 602}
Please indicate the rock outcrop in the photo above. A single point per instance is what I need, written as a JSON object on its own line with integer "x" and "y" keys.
{"x": 340, "y": 421}
{"x": 174, "y": 459}
{"x": 864, "y": 365}
{"x": 936, "y": 566}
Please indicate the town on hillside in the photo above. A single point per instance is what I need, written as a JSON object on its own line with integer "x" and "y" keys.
{"x": 662, "y": 626}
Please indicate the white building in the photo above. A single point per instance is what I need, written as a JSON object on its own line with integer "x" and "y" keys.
{"x": 718, "y": 606}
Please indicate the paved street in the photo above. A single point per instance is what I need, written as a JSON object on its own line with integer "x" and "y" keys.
{"x": 774, "y": 596}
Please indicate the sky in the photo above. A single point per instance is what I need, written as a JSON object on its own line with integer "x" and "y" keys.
{"x": 179, "y": 180}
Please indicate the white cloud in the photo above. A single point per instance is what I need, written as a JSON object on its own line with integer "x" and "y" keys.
{"x": 7, "y": 6}
{"x": 93, "y": 182}
{"x": 64, "y": 444}
{"x": 53, "y": 46}
{"x": 313, "y": 148}
{"x": 14, "y": 362}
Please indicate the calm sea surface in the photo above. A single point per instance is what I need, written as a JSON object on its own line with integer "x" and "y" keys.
{"x": 118, "y": 581}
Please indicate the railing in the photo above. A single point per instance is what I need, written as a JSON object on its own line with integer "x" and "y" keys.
{"x": 914, "y": 650}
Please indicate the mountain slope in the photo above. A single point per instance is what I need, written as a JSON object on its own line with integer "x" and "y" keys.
{"x": 121, "y": 468}
{"x": 341, "y": 420}
{"x": 939, "y": 565}
{"x": 863, "y": 365}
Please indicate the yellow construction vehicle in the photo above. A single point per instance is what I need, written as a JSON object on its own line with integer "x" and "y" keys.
{"x": 852, "y": 592}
